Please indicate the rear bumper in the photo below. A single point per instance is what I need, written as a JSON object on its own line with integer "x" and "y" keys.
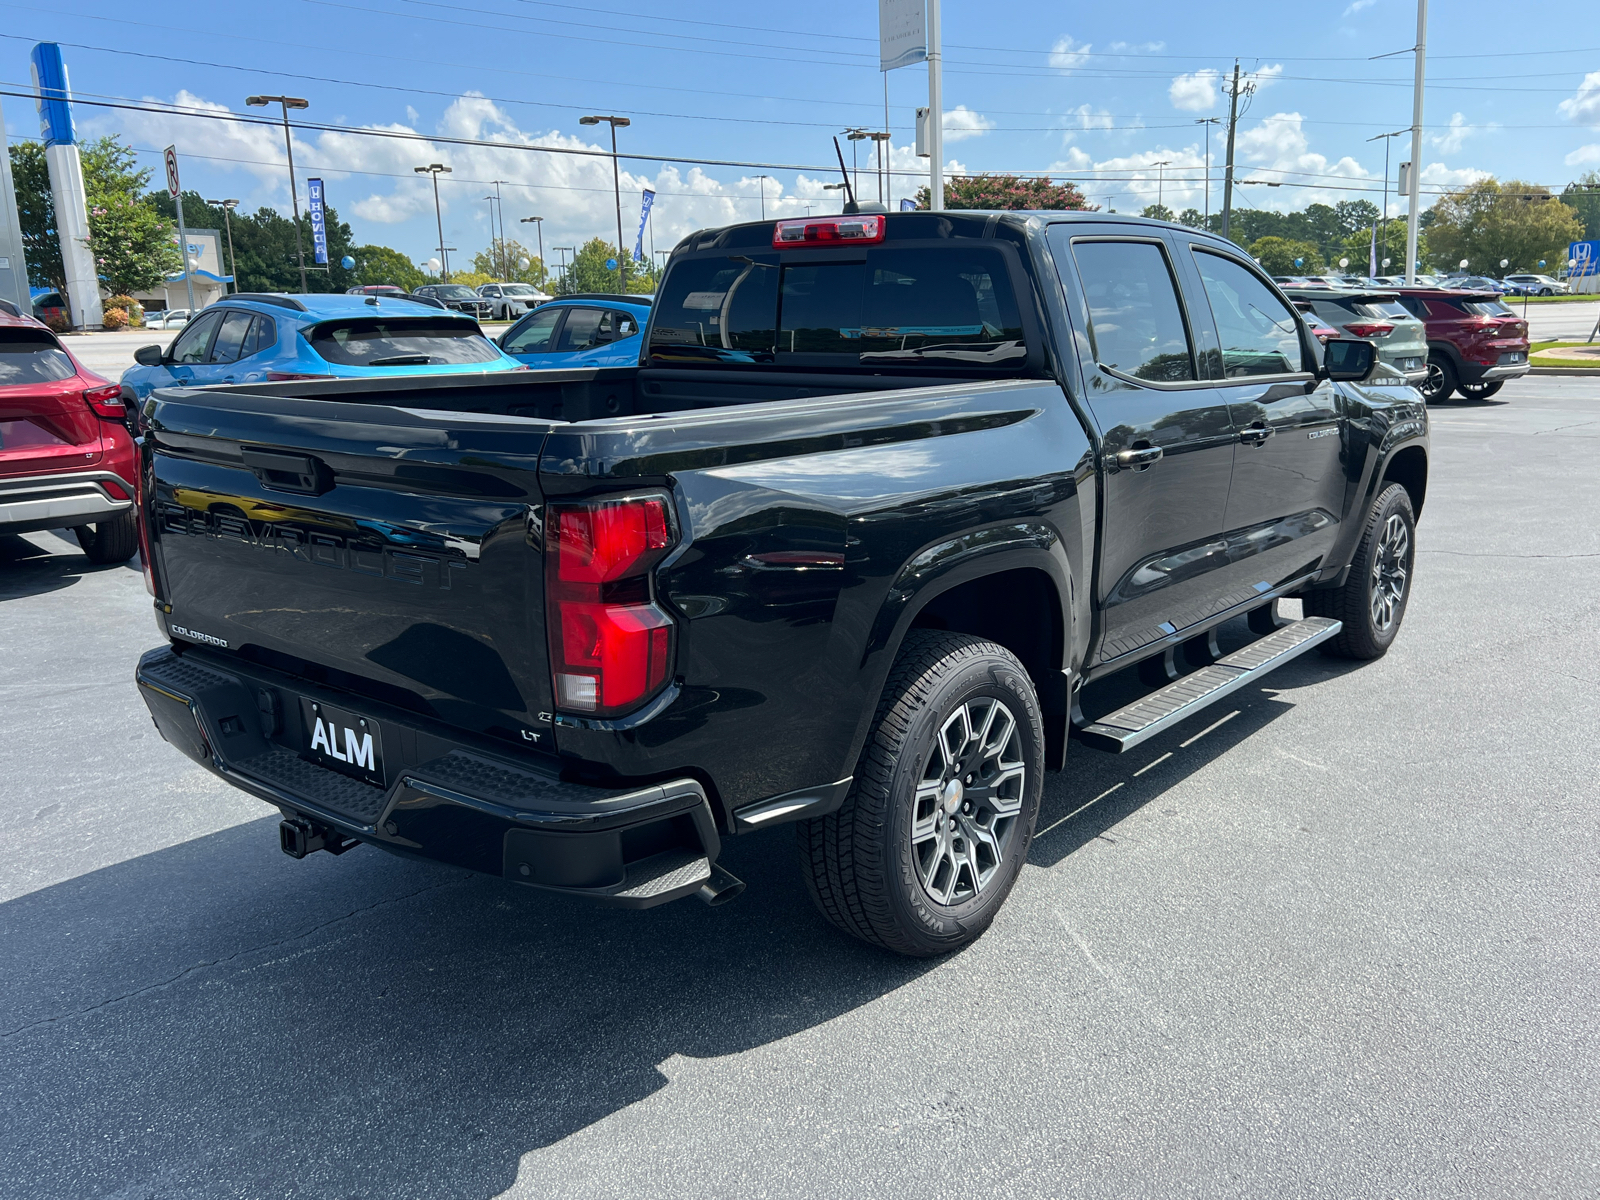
{"x": 1511, "y": 371}
{"x": 35, "y": 502}
{"x": 447, "y": 801}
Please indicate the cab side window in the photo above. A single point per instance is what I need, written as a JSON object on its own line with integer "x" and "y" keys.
{"x": 533, "y": 335}
{"x": 1259, "y": 334}
{"x": 1136, "y": 324}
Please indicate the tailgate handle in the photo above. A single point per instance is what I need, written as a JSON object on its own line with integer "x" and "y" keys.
{"x": 288, "y": 472}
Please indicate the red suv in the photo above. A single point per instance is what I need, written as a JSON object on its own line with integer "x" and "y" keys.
{"x": 1475, "y": 343}
{"x": 67, "y": 460}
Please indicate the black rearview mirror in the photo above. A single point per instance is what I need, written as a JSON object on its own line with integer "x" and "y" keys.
{"x": 148, "y": 356}
{"x": 1348, "y": 361}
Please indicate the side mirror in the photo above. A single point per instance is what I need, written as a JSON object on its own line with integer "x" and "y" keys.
{"x": 148, "y": 356}
{"x": 1348, "y": 361}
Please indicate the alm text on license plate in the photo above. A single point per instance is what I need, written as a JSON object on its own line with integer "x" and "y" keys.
{"x": 343, "y": 741}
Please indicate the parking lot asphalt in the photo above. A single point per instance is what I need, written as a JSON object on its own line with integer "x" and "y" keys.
{"x": 1337, "y": 937}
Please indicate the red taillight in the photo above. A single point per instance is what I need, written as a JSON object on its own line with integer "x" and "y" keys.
{"x": 822, "y": 230}
{"x": 1376, "y": 329}
{"x": 107, "y": 401}
{"x": 610, "y": 645}
{"x": 287, "y": 376}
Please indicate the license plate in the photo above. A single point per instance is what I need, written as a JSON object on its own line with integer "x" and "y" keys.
{"x": 343, "y": 741}
{"x": 1514, "y": 356}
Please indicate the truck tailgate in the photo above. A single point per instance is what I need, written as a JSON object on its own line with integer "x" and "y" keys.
{"x": 378, "y": 549}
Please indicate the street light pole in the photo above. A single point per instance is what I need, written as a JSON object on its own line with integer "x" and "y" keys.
{"x": 1161, "y": 180}
{"x": 761, "y": 182}
{"x": 616, "y": 183}
{"x": 538, "y": 223}
{"x": 288, "y": 102}
{"x": 1208, "y": 122}
{"x": 564, "y": 251}
{"x": 494, "y": 243}
{"x": 436, "y": 169}
{"x": 935, "y": 110}
{"x": 227, "y": 207}
{"x": 1416, "y": 144}
{"x": 1387, "y": 142}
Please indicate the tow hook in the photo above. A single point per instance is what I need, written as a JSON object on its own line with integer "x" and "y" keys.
{"x": 300, "y": 837}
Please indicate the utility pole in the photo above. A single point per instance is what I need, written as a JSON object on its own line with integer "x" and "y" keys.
{"x": 227, "y": 207}
{"x": 935, "y": 111}
{"x": 1416, "y": 144}
{"x": 1234, "y": 92}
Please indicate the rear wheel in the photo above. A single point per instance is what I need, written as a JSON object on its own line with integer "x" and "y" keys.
{"x": 112, "y": 541}
{"x": 1372, "y": 601}
{"x": 1441, "y": 380}
{"x": 1546, "y": 292}
{"x": 932, "y": 836}
{"x": 1480, "y": 391}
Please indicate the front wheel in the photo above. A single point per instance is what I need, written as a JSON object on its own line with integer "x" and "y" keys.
{"x": 1546, "y": 292}
{"x": 1372, "y": 601}
{"x": 1480, "y": 391}
{"x": 934, "y": 831}
{"x": 1441, "y": 380}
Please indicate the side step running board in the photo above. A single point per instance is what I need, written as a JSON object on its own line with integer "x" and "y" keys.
{"x": 1148, "y": 716}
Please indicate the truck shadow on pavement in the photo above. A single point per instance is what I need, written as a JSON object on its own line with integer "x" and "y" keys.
{"x": 29, "y": 569}
{"x": 216, "y": 1018}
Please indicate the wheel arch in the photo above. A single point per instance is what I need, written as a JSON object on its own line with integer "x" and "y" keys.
{"x": 1408, "y": 467}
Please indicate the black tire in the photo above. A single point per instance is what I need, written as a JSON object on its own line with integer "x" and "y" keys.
{"x": 1546, "y": 292}
{"x": 861, "y": 864}
{"x": 1441, "y": 380}
{"x": 1365, "y": 634}
{"x": 1480, "y": 391}
{"x": 113, "y": 541}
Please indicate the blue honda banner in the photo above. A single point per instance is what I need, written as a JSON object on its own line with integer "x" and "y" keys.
{"x": 54, "y": 95}
{"x": 644, "y": 215}
{"x": 319, "y": 224}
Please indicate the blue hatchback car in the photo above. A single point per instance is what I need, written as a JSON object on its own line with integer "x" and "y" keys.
{"x": 588, "y": 330}
{"x": 259, "y": 337}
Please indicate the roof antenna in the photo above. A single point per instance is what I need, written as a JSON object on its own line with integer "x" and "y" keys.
{"x": 850, "y": 205}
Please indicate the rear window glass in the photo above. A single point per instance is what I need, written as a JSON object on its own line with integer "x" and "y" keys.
{"x": 1485, "y": 308}
{"x": 31, "y": 359}
{"x": 890, "y": 307}
{"x": 1381, "y": 308}
{"x": 400, "y": 342}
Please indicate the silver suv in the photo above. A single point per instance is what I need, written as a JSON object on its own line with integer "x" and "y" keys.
{"x": 1376, "y": 317}
{"x": 511, "y": 300}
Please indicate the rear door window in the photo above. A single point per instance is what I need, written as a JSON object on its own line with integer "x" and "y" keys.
{"x": 585, "y": 329}
{"x": 1136, "y": 323}
{"x": 26, "y": 357}
{"x": 401, "y": 341}
{"x": 263, "y": 336}
{"x": 1259, "y": 334}
{"x": 229, "y": 343}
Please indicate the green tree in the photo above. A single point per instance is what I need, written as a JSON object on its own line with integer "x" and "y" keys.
{"x": 1192, "y": 218}
{"x": 380, "y": 264}
{"x": 502, "y": 261}
{"x": 1158, "y": 212}
{"x": 1391, "y": 245}
{"x": 1582, "y": 195}
{"x": 131, "y": 243}
{"x": 264, "y": 247}
{"x": 1487, "y": 221}
{"x": 1277, "y": 256}
{"x": 588, "y": 273}
{"x": 1008, "y": 192}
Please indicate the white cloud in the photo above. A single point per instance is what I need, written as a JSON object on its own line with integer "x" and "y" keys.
{"x": 961, "y": 123}
{"x": 1264, "y": 77}
{"x": 1068, "y": 55}
{"x": 1195, "y": 92}
{"x": 1358, "y": 6}
{"x": 1092, "y": 118}
{"x": 1584, "y": 155}
{"x": 1584, "y": 107}
{"x": 1138, "y": 47}
{"x": 1440, "y": 175}
{"x": 1456, "y": 136}
{"x": 1281, "y": 153}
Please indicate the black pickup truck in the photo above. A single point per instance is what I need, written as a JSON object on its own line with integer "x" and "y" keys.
{"x": 882, "y": 495}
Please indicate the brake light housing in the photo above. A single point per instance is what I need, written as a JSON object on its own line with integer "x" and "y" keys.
{"x": 1372, "y": 329}
{"x": 827, "y": 231}
{"x": 610, "y": 642}
{"x": 106, "y": 401}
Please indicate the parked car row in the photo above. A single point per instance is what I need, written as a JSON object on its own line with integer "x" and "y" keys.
{"x": 1514, "y": 285}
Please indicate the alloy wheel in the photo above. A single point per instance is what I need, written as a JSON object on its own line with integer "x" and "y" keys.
{"x": 1433, "y": 385}
{"x": 968, "y": 800}
{"x": 1390, "y": 570}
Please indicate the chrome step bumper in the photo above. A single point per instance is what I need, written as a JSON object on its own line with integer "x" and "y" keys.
{"x": 1150, "y": 715}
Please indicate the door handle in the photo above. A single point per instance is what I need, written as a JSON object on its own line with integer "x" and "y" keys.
{"x": 1256, "y": 434}
{"x": 1138, "y": 457}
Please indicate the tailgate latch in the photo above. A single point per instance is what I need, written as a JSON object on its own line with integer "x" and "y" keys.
{"x": 288, "y": 472}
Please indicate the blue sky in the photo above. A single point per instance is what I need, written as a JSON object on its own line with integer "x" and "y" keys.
{"x": 1099, "y": 94}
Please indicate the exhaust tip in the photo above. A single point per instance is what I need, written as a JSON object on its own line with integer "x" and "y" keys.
{"x": 720, "y": 888}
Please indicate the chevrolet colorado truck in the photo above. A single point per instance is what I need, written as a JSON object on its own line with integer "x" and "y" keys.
{"x": 883, "y": 493}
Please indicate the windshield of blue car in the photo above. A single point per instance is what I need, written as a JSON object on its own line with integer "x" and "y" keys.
{"x": 25, "y": 357}
{"x": 889, "y": 306}
{"x": 400, "y": 341}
